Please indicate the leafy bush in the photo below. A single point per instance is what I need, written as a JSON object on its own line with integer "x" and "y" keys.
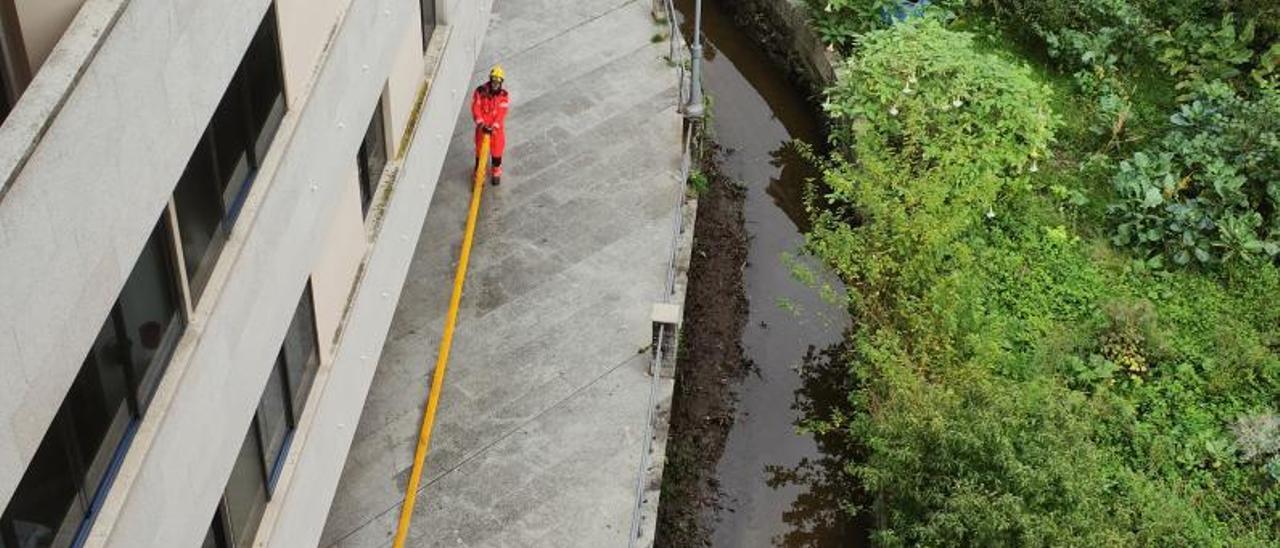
{"x": 939, "y": 131}
{"x": 1198, "y": 54}
{"x": 989, "y": 461}
{"x": 1209, "y": 191}
{"x": 1013, "y": 381}
{"x": 930, "y": 118}
{"x": 1258, "y": 436}
{"x": 1132, "y": 339}
{"x": 840, "y": 22}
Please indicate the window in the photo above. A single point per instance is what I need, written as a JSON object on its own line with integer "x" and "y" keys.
{"x": 246, "y": 493}
{"x": 372, "y": 158}
{"x": 72, "y": 468}
{"x": 220, "y": 173}
{"x": 275, "y": 421}
{"x": 15, "y": 70}
{"x": 5, "y": 106}
{"x": 217, "y": 535}
{"x": 258, "y": 464}
{"x": 428, "y": 21}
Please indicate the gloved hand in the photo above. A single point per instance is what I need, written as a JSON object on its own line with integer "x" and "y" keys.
{"x": 487, "y": 128}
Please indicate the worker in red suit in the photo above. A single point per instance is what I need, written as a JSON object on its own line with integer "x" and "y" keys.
{"x": 489, "y": 106}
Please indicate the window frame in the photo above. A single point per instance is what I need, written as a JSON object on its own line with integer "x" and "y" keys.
{"x": 136, "y": 401}
{"x": 428, "y": 31}
{"x": 15, "y": 68}
{"x": 273, "y": 464}
{"x": 241, "y": 90}
{"x": 270, "y": 466}
{"x": 255, "y": 516}
{"x": 219, "y": 527}
{"x": 370, "y": 179}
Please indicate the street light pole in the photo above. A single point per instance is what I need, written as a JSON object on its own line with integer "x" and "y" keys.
{"x": 695, "y": 108}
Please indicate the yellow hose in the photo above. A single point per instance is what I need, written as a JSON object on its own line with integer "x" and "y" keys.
{"x": 442, "y": 360}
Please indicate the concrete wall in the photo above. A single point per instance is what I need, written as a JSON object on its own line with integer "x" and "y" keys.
{"x": 406, "y": 78}
{"x": 332, "y": 413}
{"x": 228, "y": 368}
{"x": 42, "y": 23}
{"x": 783, "y": 28}
{"x": 76, "y": 216}
{"x": 74, "y": 219}
{"x": 339, "y": 263}
{"x": 305, "y": 28}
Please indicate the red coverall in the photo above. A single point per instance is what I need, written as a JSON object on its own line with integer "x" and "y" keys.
{"x": 489, "y": 108}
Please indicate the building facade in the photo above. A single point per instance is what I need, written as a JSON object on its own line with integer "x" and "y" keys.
{"x": 207, "y": 212}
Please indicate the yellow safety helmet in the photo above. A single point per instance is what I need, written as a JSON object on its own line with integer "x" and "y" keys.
{"x": 498, "y": 73}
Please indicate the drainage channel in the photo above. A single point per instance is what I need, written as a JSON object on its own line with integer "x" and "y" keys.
{"x": 765, "y": 496}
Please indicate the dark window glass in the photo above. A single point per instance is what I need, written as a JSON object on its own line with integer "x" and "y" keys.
{"x": 428, "y": 21}
{"x": 231, "y": 140}
{"x": 257, "y": 465}
{"x": 372, "y": 158}
{"x": 218, "y": 536}
{"x": 149, "y": 317}
{"x": 211, "y": 539}
{"x": 48, "y": 504}
{"x": 5, "y": 107}
{"x": 221, "y": 169}
{"x": 266, "y": 92}
{"x": 89, "y": 433}
{"x": 99, "y": 405}
{"x": 198, "y": 198}
{"x": 246, "y": 491}
{"x": 275, "y": 421}
{"x": 301, "y": 355}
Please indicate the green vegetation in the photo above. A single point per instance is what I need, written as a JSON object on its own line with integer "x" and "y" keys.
{"x": 699, "y": 182}
{"x": 1058, "y": 221}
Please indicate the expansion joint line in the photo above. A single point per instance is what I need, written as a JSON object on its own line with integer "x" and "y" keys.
{"x": 442, "y": 359}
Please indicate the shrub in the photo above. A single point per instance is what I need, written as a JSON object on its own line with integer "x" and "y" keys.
{"x": 939, "y": 131}
{"x": 983, "y": 406}
{"x": 1199, "y": 53}
{"x": 1209, "y": 191}
{"x": 840, "y": 22}
{"x": 1257, "y": 436}
{"x": 920, "y": 98}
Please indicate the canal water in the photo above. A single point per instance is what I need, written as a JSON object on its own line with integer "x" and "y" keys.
{"x": 757, "y": 110}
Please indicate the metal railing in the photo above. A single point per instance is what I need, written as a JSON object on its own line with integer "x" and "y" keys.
{"x": 684, "y": 84}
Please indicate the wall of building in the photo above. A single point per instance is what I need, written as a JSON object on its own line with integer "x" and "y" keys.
{"x": 340, "y": 390}
{"x": 406, "y": 78}
{"x": 305, "y": 28}
{"x": 42, "y": 23}
{"x": 228, "y": 369}
{"x": 333, "y": 276}
{"x": 79, "y": 212}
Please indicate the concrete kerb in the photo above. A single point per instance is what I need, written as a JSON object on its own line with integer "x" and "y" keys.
{"x": 661, "y": 418}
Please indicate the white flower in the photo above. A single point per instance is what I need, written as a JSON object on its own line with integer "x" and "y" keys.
{"x": 893, "y": 110}
{"x": 956, "y": 103}
{"x": 990, "y": 214}
{"x": 1034, "y": 166}
{"x": 907, "y": 90}
{"x": 911, "y": 79}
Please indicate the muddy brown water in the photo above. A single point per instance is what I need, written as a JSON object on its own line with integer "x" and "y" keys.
{"x": 757, "y": 110}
